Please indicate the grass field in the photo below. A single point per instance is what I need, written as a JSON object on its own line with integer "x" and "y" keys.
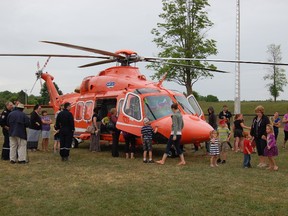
{"x": 97, "y": 184}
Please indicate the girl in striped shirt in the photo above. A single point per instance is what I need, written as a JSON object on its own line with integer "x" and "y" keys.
{"x": 214, "y": 148}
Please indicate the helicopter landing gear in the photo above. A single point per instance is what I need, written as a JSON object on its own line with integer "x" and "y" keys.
{"x": 75, "y": 143}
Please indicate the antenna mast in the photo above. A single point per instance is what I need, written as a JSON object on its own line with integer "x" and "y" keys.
{"x": 237, "y": 103}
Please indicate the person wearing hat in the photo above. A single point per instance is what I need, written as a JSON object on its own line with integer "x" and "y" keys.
{"x": 147, "y": 134}
{"x": 65, "y": 125}
{"x": 18, "y": 122}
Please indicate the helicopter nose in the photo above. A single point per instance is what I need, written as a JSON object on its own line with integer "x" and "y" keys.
{"x": 195, "y": 129}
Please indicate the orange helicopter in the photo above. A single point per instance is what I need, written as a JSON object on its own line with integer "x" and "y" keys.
{"x": 123, "y": 87}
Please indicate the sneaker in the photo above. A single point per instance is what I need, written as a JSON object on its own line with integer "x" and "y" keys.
{"x": 151, "y": 161}
{"x": 21, "y": 162}
{"x": 12, "y": 162}
{"x": 218, "y": 160}
{"x": 223, "y": 162}
{"x": 145, "y": 161}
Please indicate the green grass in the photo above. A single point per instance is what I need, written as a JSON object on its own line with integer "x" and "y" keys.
{"x": 97, "y": 184}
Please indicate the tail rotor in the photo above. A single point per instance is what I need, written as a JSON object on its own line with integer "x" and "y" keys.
{"x": 39, "y": 73}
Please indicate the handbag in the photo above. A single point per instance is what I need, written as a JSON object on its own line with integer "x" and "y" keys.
{"x": 90, "y": 129}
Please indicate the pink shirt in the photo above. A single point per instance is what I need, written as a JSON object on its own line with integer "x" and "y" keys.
{"x": 286, "y": 124}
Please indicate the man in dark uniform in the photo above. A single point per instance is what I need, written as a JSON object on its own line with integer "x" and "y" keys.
{"x": 5, "y": 130}
{"x": 226, "y": 115}
{"x": 65, "y": 123}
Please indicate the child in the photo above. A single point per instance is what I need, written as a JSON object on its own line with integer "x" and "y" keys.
{"x": 247, "y": 150}
{"x": 224, "y": 137}
{"x": 56, "y": 140}
{"x": 238, "y": 132}
{"x": 271, "y": 149}
{"x": 147, "y": 133}
{"x": 46, "y": 121}
{"x": 214, "y": 148}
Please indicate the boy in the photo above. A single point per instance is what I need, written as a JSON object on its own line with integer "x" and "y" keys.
{"x": 247, "y": 150}
{"x": 147, "y": 133}
{"x": 224, "y": 137}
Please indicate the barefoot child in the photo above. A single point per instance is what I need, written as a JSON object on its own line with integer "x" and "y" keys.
{"x": 147, "y": 133}
{"x": 46, "y": 121}
{"x": 271, "y": 149}
{"x": 214, "y": 148}
{"x": 247, "y": 150}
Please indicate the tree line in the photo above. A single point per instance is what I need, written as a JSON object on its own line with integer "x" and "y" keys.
{"x": 24, "y": 98}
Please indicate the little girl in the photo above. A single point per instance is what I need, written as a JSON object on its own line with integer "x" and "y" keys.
{"x": 271, "y": 149}
{"x": 214, "y": 148}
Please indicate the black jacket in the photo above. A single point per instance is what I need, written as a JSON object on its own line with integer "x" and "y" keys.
{"x": 18, "y": 122}
{"x": 65, "y": 122}
{"x": 33, "y": 119}
{"x": 259, "y": 128}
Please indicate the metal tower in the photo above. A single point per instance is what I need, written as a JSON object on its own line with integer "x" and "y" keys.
{"x": 237, "y": 102}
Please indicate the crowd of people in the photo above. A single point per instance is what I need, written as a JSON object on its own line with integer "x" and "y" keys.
{"x": 22, "y": 133}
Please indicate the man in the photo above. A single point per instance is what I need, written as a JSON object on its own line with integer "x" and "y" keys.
{"x": 226, "y": 115}
{"x": 5, "y": 130}
{"x": 17, "y": 123}
{"x": 65, "y": 123}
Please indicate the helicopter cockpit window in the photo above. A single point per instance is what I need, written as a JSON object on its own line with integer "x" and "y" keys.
{"x": 157, "y": 106}
{"x": 146, "y": 90}
{"x": 182, "y": 100}
{"x": 79, "y": 111}
{"x": 88, "y": 110}
{"x": 193, "y": 102}
{"x": 132, "y": 107}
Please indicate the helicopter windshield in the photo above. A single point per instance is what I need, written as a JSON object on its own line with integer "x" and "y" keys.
{"x": 182, "y": 100}
{"x": 157, "y": 106}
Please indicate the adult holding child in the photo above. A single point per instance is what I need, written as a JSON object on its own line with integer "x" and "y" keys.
{"x": 238, "y": 132}
{"x": 259, "y": 134}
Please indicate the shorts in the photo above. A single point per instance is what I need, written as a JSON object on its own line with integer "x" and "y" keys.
{"x": 238, "y": 133}
{"x": 147, "y": 145}
{"x": 285, "y": 135}
{"x": 57, "y": 137}
{"x": 45, "y": 134}
{"x": 224, "y": 147}
{"x": 260, "y": 146}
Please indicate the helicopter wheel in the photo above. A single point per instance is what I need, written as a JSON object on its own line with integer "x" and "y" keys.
{"x": 75, "y": 143}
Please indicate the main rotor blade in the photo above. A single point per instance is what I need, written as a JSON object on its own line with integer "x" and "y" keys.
{"x": 97, "y": 63}
{"x": 102, "y": 52}
{"x": 218, "y": 60}
{"x": 55, "y": 55}
{"x": 195, "y": 67}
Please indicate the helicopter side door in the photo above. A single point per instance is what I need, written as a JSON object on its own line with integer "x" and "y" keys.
{"x": 130, "y": 117}
{"x": 195, "y": 105}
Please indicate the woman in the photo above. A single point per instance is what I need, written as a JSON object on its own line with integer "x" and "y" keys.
{"x": 238, "y": 132}
{"x": 34, "y": 129}
{"x": 212, "y": 121}
{"x": 258, "y": 133}
{"x": 115, "y": 133}
{"x": 95, "y": 137}
{"x": 175, "y": 137}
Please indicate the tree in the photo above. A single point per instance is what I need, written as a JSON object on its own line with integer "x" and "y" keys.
{"x": 45, "y": 98}
{"x": 182, "y": 35}
{"x": 275, "y": 74}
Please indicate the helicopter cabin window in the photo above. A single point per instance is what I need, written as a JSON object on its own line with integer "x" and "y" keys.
{"x": 88, "y": 110}
{"x": 79, "y": 111}
{"x": 120, "y": 104}
{"x": 146, "y": 90}
{"x": 132, "y": 107}
{"x": 157, "y": 106}
{"x": 182, "y": 100}
{"x": 193, "y": 102}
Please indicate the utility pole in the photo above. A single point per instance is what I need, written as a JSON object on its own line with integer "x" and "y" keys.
{"x": 237, "y": 102}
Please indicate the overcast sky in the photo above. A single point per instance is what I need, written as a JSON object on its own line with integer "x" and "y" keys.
{"x": 112, "y": 25}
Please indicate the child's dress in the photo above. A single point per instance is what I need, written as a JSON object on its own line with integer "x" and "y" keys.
{"x": 214, "y": 147}
{"x": 273, "y": 151}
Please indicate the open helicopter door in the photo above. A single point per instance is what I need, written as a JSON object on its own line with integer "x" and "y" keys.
{"x": 196, "y": 107}
{"x": 130, "y": 117}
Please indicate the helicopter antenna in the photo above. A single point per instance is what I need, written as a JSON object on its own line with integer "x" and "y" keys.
{"x": 162, "y": 80}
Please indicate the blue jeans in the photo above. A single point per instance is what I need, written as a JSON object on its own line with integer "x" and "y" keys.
{"x": 247, "y": 159}
{"x": 176, "y": 144}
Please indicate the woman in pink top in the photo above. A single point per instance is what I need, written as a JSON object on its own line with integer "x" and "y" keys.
{"x": 285, "y": 121}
